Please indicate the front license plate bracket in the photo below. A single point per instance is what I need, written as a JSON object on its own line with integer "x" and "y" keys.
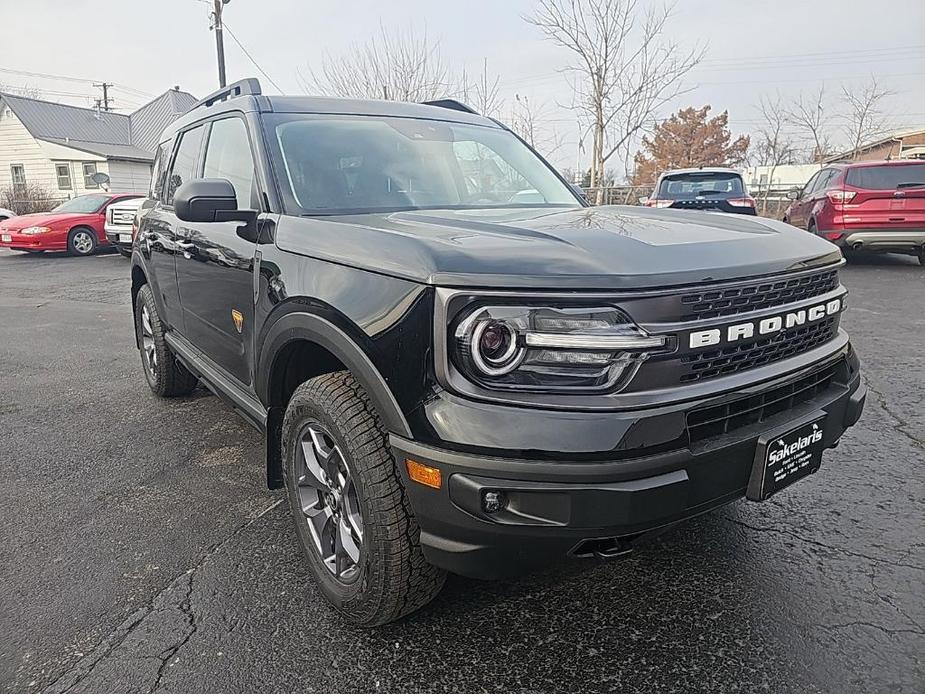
{"x": 786, "y": 455}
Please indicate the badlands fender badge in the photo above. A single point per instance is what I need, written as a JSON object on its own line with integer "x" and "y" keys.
{"x": 238, "y": 319}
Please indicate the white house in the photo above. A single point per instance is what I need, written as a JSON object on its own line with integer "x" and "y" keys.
{"x": 60, "y": 147}
{"x": 786, "y": 176}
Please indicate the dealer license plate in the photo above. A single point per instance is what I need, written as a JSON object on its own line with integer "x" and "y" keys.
{"x": 784, "y": 457}
{"x": 6, "y": 237}
{"x": 125, "y": 238}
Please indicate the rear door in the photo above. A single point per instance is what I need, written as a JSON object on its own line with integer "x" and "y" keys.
{"x": 886, "y": 196}
{"x": 215, "y": 265}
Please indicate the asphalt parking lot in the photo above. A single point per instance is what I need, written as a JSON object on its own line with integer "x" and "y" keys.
{"x": 140, "y": 550}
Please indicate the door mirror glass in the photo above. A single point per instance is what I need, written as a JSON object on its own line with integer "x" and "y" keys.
{"x": 793, "y": 194}
{"x": 206, "y": 200}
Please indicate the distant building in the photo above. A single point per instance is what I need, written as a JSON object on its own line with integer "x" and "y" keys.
{"x": 60, "y": 147}
{"x": 786, "y": 176}
{"x": 903, "y": 145}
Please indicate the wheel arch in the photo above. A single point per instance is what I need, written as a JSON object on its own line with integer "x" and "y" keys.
{"x": 302, "y": 345}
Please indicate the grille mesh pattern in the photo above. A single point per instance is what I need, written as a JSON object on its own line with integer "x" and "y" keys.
{"x": 721, "y": 419}
{"x": 721, "y": 362}
{"x": 731, "y": 301}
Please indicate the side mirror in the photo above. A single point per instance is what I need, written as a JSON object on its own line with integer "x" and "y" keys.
{"x": 643, "y": 200}
{"x": 201, "y": 200}
{"x": 793, "y": 194}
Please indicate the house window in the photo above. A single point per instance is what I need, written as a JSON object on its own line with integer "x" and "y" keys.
{"x": 63, "y": 174}
{"x": 18, "y": 173}
{"x": 89, "y": 170}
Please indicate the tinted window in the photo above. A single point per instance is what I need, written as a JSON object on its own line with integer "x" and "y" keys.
{"x": 709, "y": 183}
{"x": 811, "y": 184}
{"x": 347, "y": 164}
{"x": 186, "y": 162}
{"x": 887, "y": 177}
{"x": 228, "y": 155}
{"x": 158, "y": 171}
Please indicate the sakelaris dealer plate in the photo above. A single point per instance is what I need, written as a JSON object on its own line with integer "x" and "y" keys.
{"x": 786, "y": 456}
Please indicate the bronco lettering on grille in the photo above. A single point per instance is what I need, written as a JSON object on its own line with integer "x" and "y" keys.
{"x": 766, "y": 326}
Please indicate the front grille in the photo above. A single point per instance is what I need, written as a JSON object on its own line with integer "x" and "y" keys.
{"x": 713, "y": 421}
{"x": 717, "y": 303}
{"x": 721, "y": 362}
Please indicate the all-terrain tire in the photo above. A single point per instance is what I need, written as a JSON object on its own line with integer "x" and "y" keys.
{"x": 393, "y": 578}
{"x": 166, "y": 376}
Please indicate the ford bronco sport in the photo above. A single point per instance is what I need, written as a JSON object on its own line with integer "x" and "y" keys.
{"x": 457, "y": 364}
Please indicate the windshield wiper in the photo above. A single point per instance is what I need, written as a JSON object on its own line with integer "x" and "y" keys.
{"x": 910, "y": 184}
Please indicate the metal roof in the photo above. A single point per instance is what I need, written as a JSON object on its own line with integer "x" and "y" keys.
{"x": 111, "y": 135}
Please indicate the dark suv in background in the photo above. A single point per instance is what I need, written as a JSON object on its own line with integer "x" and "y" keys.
{"x": 459, "y": 365}
{"x": 874, "y": 207}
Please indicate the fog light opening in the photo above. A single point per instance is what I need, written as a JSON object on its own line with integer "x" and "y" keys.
{"x": 493, "y": 501}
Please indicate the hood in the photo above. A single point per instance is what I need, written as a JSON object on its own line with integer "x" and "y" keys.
{"x": 40, "y": 219}
{"x": 582, "y": 248}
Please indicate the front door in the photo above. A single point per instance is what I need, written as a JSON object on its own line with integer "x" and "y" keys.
{"x": 799, "y": 212}
{"x": 215, "y": 265}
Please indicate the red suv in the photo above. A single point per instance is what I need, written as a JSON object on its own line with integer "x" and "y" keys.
{"x": 75, "y": 226}
{"x": 866, "y": 206}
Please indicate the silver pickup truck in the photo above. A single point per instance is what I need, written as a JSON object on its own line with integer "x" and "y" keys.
{"x": 120, "y": 219}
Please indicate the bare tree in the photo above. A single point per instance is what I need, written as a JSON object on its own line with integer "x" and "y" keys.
{"x": 26, "y": 90}
{"x": 810, "y": 115}
{"x": 774, "y": 146}
{"x": 865, "y": 117}
{"x": 625, "y": 69}
{"x": 399, "y": 66}
{"x": 484, "y": 94}
{"x": 529, "y": 121}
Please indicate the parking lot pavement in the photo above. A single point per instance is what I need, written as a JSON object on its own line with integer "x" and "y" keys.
{"x": 141, "y": 551}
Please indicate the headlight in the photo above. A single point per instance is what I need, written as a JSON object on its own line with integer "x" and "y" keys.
{"x": 35, "y": 230}
{"x": 544, "y": 348}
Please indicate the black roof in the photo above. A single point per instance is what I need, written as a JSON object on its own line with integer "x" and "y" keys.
{"x": 241, "y": 96}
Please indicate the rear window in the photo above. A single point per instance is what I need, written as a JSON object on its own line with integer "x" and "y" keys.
{"x": 887, "y": 177}
{"x": 710, "y": 183}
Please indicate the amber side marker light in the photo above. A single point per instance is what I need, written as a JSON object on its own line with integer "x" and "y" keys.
{"x": 424, "y": 474}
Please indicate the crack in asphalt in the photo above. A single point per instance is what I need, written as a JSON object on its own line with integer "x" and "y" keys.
{"x": 902, "y": 424}
{"x": 871, "y": 625}
{"x": 70, "y": 678}
{"x": 817, "y": 543}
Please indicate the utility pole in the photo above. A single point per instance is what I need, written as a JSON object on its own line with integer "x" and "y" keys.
{"x": 105, "y": 99}
{"x": 218, "y": 6}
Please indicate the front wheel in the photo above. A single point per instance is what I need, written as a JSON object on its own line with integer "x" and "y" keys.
{"x": 81, "y": 241}
{"x": 351, "y": 513}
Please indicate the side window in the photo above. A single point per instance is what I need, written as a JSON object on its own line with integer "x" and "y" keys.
{"x": 158, "y": 171}
{"x": 228, "y": 155}
{"x": 825, "y": 179}
{"x": 808, "y": 188}
{"x": 185, "y": 162}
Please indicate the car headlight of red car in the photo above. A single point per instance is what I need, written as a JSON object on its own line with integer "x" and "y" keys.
{"x": 30, "y": 231}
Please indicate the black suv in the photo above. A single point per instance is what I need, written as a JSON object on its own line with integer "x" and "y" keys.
{"x": 458, "y": 364}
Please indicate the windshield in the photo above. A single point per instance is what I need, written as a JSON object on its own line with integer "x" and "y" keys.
{"x": 690, "y": 185}
{"x": 83, "y": 204}
{"x": 887, "y": 177}
{"x": 355, "y": 164}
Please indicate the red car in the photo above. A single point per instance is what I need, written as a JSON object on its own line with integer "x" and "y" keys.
{"x": 865, "y": 206}
{"x": 75, "y": 226}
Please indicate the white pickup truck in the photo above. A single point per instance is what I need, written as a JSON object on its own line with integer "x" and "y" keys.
{"x": 120, "y": 220}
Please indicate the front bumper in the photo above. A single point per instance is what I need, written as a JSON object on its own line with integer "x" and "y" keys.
{"x": 885, "y": 240}
{"x": 119, "y": 240}
{"x": 49, "y": 241}
{"x": 583, "y": 505}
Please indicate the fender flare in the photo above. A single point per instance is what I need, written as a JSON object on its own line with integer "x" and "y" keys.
{"x": 302, "y": 325}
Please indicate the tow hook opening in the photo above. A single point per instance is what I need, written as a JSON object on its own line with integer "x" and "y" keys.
{"x": 604, "y": 548}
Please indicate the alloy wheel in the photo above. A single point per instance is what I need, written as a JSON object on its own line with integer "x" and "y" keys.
{"x": 83, "y": 243}
{"x": 328, "y": 500}
{"x": 147, "y": 342}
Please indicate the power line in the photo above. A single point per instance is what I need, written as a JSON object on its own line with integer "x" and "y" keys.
{"x": 262, "y": 71}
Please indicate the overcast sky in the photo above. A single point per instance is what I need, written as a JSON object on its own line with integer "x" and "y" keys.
{"x": 752, "y": 48}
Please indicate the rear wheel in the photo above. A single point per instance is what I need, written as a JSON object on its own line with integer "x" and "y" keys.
{"x": 81, "y": 241}
{"x": 165, "y": 375}
{"x": 351, "y": 513}
{"x": 811, "y": 227}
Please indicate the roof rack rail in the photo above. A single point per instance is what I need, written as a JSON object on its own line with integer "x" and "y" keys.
{"x": 451, "y": 104}
{"x": 245, "y": 87}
